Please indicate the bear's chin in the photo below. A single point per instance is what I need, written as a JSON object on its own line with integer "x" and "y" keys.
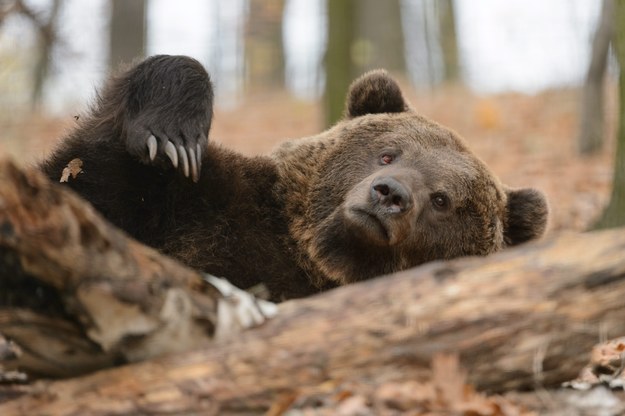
{"x": 368, "y": 225}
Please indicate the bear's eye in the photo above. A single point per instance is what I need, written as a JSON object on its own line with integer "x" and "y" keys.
{"x": 440, "y": 201}
{"x": 386, "y": 159}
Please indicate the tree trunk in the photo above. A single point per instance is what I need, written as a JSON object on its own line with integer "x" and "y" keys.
{"x": 338, "y": 61}
{"x": 518, "y": 319}
{"x": 614, "y": 214}
{"x": 127, "y": 31}
{"x": 448, "y": 39}
{"x": 47, "y": 41}
{"x": 362, "y": 35}
{"x": 379, "y": 39}
{"x": 590, "y": 138}
{"x": 264, "y": 50}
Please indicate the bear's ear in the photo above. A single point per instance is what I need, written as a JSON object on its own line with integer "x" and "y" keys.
{"x": 374, "y": 92}
{"x": 527, "y": 216}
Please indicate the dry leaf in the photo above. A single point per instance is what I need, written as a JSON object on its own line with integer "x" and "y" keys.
{"x": 73, "y": 168}
{"x": 487, "y": 114}
{"x": 455, "y": 395}
{"x": 449, "y": 378}
{"x": 607, "y": 362}
{"x": 353, "y": 406}
{"x": 609, "y": 354}
{"x": 405, "y": 396}
{"x": 281, "y": 404}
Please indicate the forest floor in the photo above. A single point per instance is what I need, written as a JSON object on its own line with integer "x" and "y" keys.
{"x": 527, "y": 140}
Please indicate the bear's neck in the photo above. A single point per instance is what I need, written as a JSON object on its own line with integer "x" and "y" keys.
{"x": 247, "y": 191}
{"x": 298, "y": 164}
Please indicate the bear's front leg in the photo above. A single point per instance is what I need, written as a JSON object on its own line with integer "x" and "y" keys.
{"x": 166, "y": 112}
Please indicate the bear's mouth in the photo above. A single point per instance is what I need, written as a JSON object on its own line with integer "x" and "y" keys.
{"x": 369, "y": 223}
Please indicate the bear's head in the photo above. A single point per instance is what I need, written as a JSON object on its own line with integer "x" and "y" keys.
{"x": 387, "y": 189}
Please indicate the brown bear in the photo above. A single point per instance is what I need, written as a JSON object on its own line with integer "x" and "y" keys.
{"x": 383, "y": 190}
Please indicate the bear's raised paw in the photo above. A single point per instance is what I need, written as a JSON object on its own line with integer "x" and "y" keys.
{"x": 167, "y": 113}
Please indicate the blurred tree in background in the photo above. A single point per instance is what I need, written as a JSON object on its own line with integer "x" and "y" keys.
{"x": 339, "y": 65}
{"x": 127, "y": 31}
{"x": 47, "y": 39}
{"x": 45, "y": 25}
{"x": 361, "y": 35}
{"x": 379, "y": 39}
{"x": 271, "y": 44}
{"x": 448, "y": 39}
{"x": 614, "y": 214}
{"x": 264, "y": 49}
{"x": 590, "y": 137}
{"x": 369, "y": 34}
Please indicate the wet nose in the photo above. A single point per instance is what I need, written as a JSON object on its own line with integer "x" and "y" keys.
{"x": 391, "y": 194}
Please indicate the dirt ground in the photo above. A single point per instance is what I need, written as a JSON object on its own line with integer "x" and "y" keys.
{"x": 528, "y": 140}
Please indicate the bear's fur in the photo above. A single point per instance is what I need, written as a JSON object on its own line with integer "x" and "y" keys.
{"x": 383, "y": 190}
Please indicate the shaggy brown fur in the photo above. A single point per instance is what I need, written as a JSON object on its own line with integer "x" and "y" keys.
{"x": 383, "y": 190}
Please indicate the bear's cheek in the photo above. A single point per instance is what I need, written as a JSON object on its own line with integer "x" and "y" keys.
{"x": 369, "y": 218}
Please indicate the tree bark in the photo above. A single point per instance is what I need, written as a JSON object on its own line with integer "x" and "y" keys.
{"x": 264, "y": 49}
{"x": 127, "y": 31}
{"x": 448, "y": 39}
{"x": 590, "y": 138}
{"x": 379, "y": 40}
{"x": 339, "y": 65}
{"x": 362, "y": 35}
{"x": 77, "y": 294}
{"x": 614, "y": 213}
{"x": 47, "y": 40}
{"x": 522, "y": 318}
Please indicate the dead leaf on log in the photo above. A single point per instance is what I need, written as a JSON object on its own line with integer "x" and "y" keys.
{"x": 73, "y": 168}
{"x": 607, "y": 365}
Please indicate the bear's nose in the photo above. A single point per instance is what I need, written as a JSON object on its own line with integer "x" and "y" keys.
{"x": 390, "y": 194}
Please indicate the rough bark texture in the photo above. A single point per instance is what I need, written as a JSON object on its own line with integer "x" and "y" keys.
{"x": 614, "y": 214}
{"x": 77, "y": 294}
{"x": 523, "y": 318}
{"x": 339, "y": 66}
{"x": 590, "y": 139}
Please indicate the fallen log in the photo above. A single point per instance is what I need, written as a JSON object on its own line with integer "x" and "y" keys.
{"x": 77, "y": 294}
{"x": 523, "y": 318}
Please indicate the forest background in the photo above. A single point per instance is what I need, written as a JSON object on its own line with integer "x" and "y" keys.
{"x": 511, "y": 77}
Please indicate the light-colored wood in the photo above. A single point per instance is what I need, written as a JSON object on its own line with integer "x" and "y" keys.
{"x": 116, "y": 300}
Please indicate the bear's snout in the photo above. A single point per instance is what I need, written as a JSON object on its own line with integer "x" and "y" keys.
{"x": 391, "y": 195}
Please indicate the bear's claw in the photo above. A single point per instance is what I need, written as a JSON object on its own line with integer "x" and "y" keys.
{"x": 198, "y": 155}
{"x": 189, "y": 157}
{"x": 170, "y": 151}
{"x": 152, "y": 147}
{"x": 182, "y": 155}
{"x": 193, "y": 162}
